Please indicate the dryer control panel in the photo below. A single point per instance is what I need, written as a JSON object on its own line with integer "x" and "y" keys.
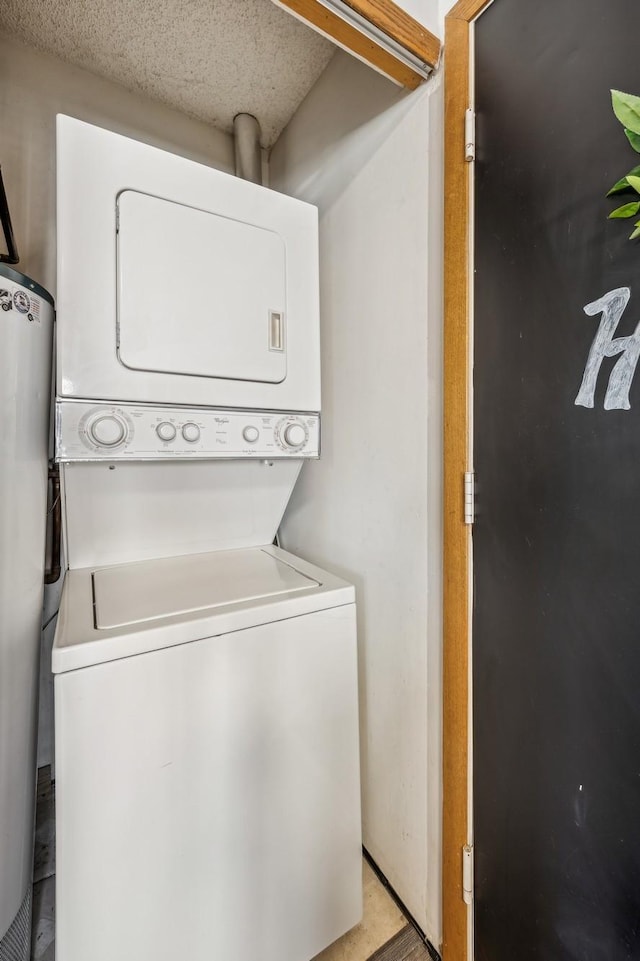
{"x": 88, "y": 431}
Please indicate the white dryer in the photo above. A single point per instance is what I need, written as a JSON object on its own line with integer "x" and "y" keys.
{"x": 208, "y": 801}
{"x": 180, "y": 284}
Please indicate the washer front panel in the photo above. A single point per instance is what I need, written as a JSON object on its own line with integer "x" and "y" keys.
{"x": 216, "y": 783}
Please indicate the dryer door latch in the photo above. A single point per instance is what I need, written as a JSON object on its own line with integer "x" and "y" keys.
{"x": 276, "y": 330}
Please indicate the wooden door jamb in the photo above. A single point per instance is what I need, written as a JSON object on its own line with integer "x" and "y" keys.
{"x": 456, "y": 915}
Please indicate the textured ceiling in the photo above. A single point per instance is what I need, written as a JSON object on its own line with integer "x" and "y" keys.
{"x": 209, "y": 58}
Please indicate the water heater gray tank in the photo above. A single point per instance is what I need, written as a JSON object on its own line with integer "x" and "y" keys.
{"x": 26, "y": 325}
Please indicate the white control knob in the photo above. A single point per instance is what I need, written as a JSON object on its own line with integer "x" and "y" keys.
{"x": 166, "y": 431}
{"x": 251, "y": 434}
{"x": 108, "y": 430}
{"x": 294, "y": 435}
{"x": 191, "y": 433}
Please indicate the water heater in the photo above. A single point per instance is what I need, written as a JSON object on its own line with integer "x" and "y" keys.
{"x": 26, "y": 323}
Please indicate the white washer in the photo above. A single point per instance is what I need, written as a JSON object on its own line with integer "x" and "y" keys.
{"x": 207, "y": 772}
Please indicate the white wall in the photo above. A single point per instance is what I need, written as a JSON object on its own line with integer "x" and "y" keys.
{"x": 370, "y": 509}
{"x": 33, "y": 88}
{"x": 425, "y": 12}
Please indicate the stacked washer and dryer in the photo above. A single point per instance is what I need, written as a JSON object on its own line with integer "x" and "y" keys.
{"x": 207, "y": 771}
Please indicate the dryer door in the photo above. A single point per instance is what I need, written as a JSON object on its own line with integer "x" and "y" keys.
{"x": 198, "y": 293}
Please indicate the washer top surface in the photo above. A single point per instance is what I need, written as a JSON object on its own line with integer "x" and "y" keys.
{"x": 153, "y": 590}
{"x": 118, "y": 611}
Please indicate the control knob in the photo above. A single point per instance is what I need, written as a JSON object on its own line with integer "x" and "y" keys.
{"x": 108, "y": 430}
{"x": 191, "y": 433}
{"x": 294, "y": 435}
{"x": 166, "y": 431}
{"x": 250, "y": 434}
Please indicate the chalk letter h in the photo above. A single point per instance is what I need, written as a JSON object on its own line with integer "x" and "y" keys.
{"x": 612, "y": 307}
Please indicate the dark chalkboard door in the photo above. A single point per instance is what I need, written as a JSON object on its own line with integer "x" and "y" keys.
{"x": 556, "y": 623}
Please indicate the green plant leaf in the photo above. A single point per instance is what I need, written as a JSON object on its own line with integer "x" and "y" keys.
{"x": 627, "y": 210}
{"x": 634, "y": 139}
{"x": 636, "y": 232}
{"x": 623, "y": 185}
{"x": 627, "y": 109}
{"x": 634, "y": 181}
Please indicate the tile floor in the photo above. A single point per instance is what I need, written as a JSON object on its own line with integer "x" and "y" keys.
{"x": 406, "y": 945}
{"x": 44, "y": 869}
{"x": 382, "y": 919}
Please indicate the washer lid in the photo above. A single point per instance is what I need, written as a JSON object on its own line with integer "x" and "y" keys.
{"x": 152, "y": 590}
{"x": 166, "y": 602}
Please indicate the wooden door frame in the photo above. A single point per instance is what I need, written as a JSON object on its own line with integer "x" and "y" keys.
{"x": 387, "y": 17}
{"x": 456, "y": 829}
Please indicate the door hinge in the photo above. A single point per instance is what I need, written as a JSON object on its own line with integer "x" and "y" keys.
{"x": 469, "y": 497}
{"x": 467, "y": 874}
{"x": 469, "y": 135}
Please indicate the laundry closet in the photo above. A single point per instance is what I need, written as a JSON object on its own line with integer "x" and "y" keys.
{"x": 246, "y": 415}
